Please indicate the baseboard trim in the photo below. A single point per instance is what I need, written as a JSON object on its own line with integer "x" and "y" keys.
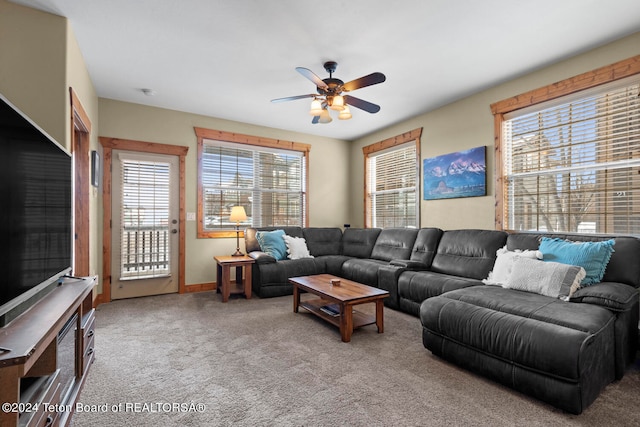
{"x": 200, "y": 287}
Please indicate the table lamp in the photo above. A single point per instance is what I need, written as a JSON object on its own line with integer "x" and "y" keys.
{"x": 238, "y": 214}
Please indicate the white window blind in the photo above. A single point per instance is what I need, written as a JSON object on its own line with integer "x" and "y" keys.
{"x": 574, "y": 166}
{"x": 145, "y": 219}
{"x": 269, "y": 183}
{"x": 392, "y": 177}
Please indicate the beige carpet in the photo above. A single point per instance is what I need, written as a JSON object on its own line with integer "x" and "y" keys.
{"x": 256, "y": 363}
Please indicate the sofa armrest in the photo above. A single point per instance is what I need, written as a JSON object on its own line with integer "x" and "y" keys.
{"x": 612, "y": 295}
{"x": 408, "y": 264}
{"x": 388, "y": 280}
{"x": 623, "y": 300}
{"x": 261, "y": 257}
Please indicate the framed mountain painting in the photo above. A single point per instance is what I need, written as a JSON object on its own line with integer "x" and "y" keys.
{"x": 453, "y": 175}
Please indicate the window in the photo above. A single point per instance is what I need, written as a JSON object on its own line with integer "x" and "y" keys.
{"x": 145, "y": 219}
{"x": 391, "y": 180}
{"x": 267, "y": 177}
{"x": 572, "y": 164}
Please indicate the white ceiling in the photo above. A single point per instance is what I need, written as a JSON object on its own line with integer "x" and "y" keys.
{"x": 229, "y": 58}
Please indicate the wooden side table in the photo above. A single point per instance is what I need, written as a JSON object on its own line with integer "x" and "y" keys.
{"x": 224, "y": 264}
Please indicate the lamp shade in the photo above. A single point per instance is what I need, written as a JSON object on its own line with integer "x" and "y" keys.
{"x": 325, "y": 117}
{"x": 237, "y": 214}
{"x": 345, "y": 114}
{"x": 337, "y": 103}
{"x": 316, "y": 108}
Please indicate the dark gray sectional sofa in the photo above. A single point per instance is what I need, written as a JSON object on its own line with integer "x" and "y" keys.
{"x": 563, "y": 353}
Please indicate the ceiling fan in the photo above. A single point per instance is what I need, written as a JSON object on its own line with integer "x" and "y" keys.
{"x": 330, "y": 96}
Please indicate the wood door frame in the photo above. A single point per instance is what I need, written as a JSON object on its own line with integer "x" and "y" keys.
{"x": 80, "y": 144}
{"x": 110, "y": 144}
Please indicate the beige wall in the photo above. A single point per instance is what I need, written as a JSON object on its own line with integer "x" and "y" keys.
{"x": 328, "y": 170}
{"x": 39, "y": 61}
{"x": 468, "y": 123}
{"x": 33, "y": 68}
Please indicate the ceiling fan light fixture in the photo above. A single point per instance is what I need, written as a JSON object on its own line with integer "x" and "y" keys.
{"x": 345, "y": 114}
{"x": 337, "y": 103}
{"x": 316, "y": 108}
{"x": 329, "y": 94}
{"x": 325, "y": 117}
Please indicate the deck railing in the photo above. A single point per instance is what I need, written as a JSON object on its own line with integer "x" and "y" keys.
{"x": 145, "y": 251}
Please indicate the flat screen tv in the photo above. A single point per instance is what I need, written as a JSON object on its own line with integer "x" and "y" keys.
{"x": 36, "y": 218}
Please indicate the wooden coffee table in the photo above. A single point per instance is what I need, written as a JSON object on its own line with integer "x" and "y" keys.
{"x": 345, "y": 296}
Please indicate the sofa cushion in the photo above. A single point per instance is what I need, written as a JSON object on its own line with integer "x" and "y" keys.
{"x": 362, "y": 270}
{"x": 358, "y": 242}
{"x": 468, "y": 253}
{"x": 552, "y": 279}
{"x": 296, "y": 247}
{"x": 420, "y": 285}
{"x": 394, "y": 243}
{"x": 504, "y": 264}
{"x": 426, "y": 245}
{"x": 252, "y": 244}
{"x": 592, "y": 256}
{"x": 416, "y": 286}
{"x": 623, "y": 266}
{"x": 272, "y": 243}
{"x": 271, "y": 279}
{"x": 323, "y": 241}
{"x": 332, "y": 264}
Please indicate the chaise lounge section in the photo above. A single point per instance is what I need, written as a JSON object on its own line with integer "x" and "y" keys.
{"x": 563, "y": 353}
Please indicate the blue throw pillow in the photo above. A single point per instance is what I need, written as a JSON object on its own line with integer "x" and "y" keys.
{"x": 272, "y": 243}
{"x": 592, "y": 256}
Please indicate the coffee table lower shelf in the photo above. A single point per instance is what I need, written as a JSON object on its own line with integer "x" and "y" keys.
{"x": 359, "y": 319}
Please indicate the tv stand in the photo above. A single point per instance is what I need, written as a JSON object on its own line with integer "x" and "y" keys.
{"x": 50, "y": 349}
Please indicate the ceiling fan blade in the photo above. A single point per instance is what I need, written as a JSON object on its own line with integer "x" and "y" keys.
{"x": 293, "y": 98}
{"x": 361, "y": 104}
{"x": 371, "y": 79}
{"x": 313, "y": 77}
